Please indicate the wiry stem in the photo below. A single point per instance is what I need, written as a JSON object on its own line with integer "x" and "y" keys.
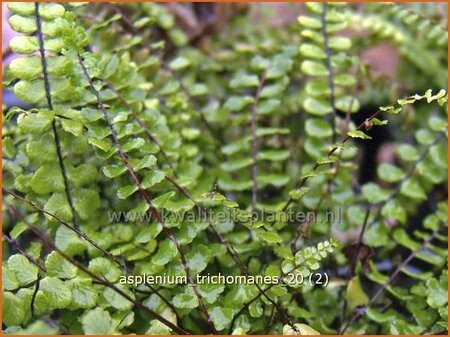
{"x": 108, "y": 284}
{"x": 330, "y": 69}
{"x": 408, "y": 175}
{"x": 383, "y": 287}
{"x": 69, "y": 226}
{"x": 13, "y": 243}
{"x": 354, "y": 259}
{"x": 230, "y": 249}
{"x": 33, "y": 298}
{"x": 253, "y": 123}
{"x": 304, "y": 227}
{"x": 17, "y": 247}
{"x": 144, "y": 195}
{"x": 141, "y": 123}
{"x": 82, "y": 236}
{"x": 303, "y": 181}
{"x": 185, "y": 192}
{"x": 271, "y": 320}
{"x": 263, "y": 293}
{"x": 329, "y": 185}
{"x": 147, "y": 44}
{"x": 360, "y": 240}
{"x": 50, "y": 106}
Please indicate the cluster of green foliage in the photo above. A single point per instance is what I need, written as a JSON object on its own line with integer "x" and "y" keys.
{"x": 125, "y": 116}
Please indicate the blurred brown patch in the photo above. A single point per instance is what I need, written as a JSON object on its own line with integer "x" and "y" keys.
{"x": 200, "y": 19}
{"x": 383, "y": 59}
{"x": 276, "y": 14}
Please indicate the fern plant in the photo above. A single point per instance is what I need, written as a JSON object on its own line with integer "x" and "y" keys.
{"x": 139, "y": 157}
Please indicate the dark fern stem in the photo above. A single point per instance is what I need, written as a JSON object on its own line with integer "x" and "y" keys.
{"x": 233, "y": 253}
{"x": 248, "y": 252}
{"x": 141, "y": 123}
{"x": 408, "y": 175}
{"x": 253, "y": 123}
{"x": 389, "y": 281}
{"x": 96, "y": 279}
{"x": 33, "y": 298}
{"x": 303, "y": 181}
{"x": 263, "y": 293}
{"x": 13, "y": 243}
{"x": 50, "y": 105}
{"x": 18, "y": 248}
{"x": 330, "y": 70}
{"x": 354, "y": 260}
{"x": 80, "y": 234}
{"x": 131, "y": 27}
{"x": 135, "y": 179}
{"x": 101, "y": 280}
